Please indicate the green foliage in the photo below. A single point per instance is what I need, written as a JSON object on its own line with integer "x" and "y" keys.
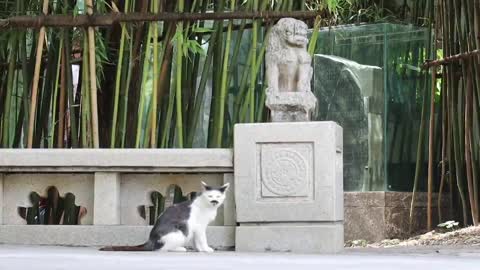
{"x": 201, "y": 94}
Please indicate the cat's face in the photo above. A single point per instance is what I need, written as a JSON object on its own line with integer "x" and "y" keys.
{"x": 214, "y": 196}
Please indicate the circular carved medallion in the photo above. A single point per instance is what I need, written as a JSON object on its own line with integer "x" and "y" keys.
{"x": 284, "y": 172}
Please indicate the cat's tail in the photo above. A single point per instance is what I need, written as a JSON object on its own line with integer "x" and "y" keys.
{"x": 148, "y": 246}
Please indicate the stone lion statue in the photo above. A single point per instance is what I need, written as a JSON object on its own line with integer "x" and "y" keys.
{"x": 289, "y": 72}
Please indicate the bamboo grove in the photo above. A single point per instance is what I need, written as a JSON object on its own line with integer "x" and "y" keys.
{"x": 155, "y": 84}
{"x": 158, "y": 84}
{"x": 458, "y": 29}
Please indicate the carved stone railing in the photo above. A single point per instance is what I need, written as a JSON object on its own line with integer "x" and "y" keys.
{"x": 111, "y": 184}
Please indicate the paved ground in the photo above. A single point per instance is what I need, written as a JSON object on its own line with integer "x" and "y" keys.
{"x": 72, "y": 258}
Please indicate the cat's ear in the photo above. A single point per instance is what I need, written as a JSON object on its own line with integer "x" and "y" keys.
{"x": 224, "y": 188}
{"x": 206, "y": 187}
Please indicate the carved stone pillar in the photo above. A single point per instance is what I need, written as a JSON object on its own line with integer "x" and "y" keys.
{"x": 289, "y": 187}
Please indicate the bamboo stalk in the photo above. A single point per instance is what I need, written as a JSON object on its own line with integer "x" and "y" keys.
{"x": 201, "y": 92}
{"x": 129, "y": 69}
{"x": 430, "y": 149}
{"x": 153, "y": 135}
{"x": 53, "y": 104}
{"x": 223, "y": 89}
{"x": 178, "y": 86}
{"x": 36, "y": 78}
{"x": 165, "y": 82}
{"x": 141, "y": 106}
{"x": 72, "y": 120}
{"x": 113, "y": 133}
{"x": 63, "y": 89}
{"x": 253, "y": 80}
{"x": 419, "y": 160}
{"x": 85, "y": 98}
{"x": 26, "y": 79}
{"x": 313, "y": 40}
{"x": 93, "y": 77}
{"x": 443, "y": 158}
{"x": 9, "y": 91}
{"x": 216, "y": 77}
{"x": 468, "y": 142}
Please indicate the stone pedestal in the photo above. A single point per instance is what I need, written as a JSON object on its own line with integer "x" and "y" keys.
{"x": 289, "y": 187}
{"x": 290, "y": 106}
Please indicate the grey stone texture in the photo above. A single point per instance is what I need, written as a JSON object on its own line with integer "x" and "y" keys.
{"x": 290, "y": 106}
{"x": 375, "y": 216}
{"x": 289, "y": 72}
{"x": 353, "y": 96}
{"x": 220, "y": 237}
{"x": 288, "y": 172}
{"x": 106, "y": 199}
{"x": 311, "y": 238}
{"x": 116, "y": 160}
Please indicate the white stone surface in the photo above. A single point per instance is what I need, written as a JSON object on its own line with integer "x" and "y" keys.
{"x": 308, "y": 238}
{"x": 288, "y": 172}
{"x": 136, "y": 188}
{"x": 221, "y": 237}
{"x": 17, "y": 187}
{"x": 81, "y": 258}
{"x": 106, "y": 199}
{"x": 168, "y": 160}
{"x": 289, "y": 72}
{"x": 2, "y": 204}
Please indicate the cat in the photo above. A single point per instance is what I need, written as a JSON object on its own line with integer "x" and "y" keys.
{"x": 182, "y": 223}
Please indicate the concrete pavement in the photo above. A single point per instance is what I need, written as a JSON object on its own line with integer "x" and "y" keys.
{"x": 72, "y": 258}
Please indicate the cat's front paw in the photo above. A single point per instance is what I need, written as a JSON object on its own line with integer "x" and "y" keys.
{"x": 207, "y": 249}
{"x": 179, "y": 249}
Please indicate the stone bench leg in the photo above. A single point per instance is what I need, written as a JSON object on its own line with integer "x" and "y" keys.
{"x": 106, "y": 199}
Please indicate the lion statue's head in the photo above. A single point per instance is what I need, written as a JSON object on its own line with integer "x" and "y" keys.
{"x": 288, "y": 32}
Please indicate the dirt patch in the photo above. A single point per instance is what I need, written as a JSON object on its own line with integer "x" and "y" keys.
{"x": 469, "y": 236}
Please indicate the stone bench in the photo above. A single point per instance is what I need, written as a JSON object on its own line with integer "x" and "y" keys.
{"x": 111, "y": 184}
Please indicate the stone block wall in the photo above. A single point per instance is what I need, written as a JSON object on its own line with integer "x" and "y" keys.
{"x": 375, "y": 216}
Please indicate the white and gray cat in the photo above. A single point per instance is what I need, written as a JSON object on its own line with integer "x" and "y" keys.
{"x": 183, "y": 223}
